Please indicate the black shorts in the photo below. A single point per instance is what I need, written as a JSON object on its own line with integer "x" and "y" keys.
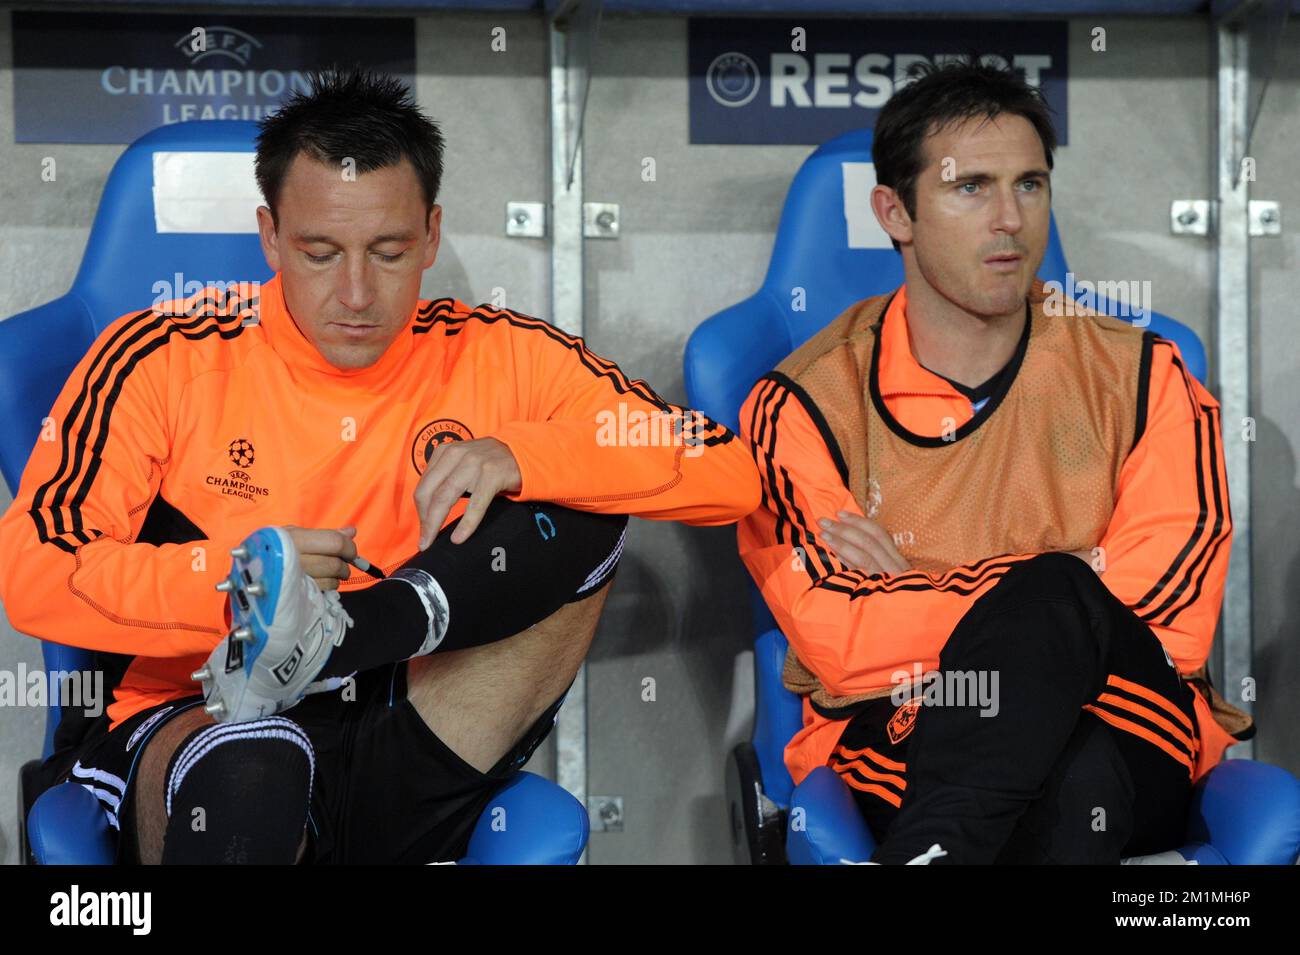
{"x": 387, "y": 789}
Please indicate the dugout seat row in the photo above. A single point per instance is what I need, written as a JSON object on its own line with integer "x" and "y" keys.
{"x": 179, "y": 207}
{"x": 179, "y": 204}
{"x": 829, "y": 244}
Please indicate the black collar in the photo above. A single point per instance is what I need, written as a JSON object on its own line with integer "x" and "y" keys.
{"x": 1000, "y": 384}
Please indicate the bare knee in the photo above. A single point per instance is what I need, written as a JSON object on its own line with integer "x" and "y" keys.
{"x": 481, "y": 700}
{"x": 553, "y": 649}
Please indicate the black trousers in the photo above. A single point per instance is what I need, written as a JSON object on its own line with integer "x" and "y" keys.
{"x": 1078, "y": 746}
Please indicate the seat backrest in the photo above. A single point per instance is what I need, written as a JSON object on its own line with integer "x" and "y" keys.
{"x": 177, "y": 213}
{"x": 180, "y": 201}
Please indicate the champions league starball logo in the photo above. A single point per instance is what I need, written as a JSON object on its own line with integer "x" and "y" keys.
{"x": 241, "y": 452}
{"x": 218, "y": 41}
{"x": 732, "y": 79}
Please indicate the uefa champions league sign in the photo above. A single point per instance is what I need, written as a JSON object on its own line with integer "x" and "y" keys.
{"x": 110, "y": 78}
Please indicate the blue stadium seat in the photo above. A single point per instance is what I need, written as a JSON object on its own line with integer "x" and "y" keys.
{"x": 830, "y": 248}
{"x": 155, "y": 223}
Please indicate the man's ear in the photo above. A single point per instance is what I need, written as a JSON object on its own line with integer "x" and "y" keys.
{"x": 434, "y": 227}
{"x": 267, "y": 236}
{"x": 891, "y": 213}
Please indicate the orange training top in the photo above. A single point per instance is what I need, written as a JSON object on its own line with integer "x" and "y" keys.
{"x": 1169, "y": 529}
{"x": 194, "y": 423}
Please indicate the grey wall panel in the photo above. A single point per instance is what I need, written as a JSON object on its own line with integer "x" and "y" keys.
{"x": 692, "y": 242}
{"x": 492, "y": 109}
{"x": 1275, "y": 287}
{"x": 1140, "y": 126}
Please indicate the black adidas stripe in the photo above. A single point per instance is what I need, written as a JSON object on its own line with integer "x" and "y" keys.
{"x": 783, "y": 493}
{"x": 754, "y": 426}
{"x": 1217, "y": 535}
{"x": 887, "y": 587}
{"x": 980, "y": 573}
{"x": 770, "y": 482}
{"x": 127, "y": 336}
{"x": 802, "y": 536}
{"x": 622, "y": 384}
{"x": 845, "y": 766}
{"x": 1180, "y": 559}
{"x": 1144, "y": 722}
{"x": 598, "y": 366}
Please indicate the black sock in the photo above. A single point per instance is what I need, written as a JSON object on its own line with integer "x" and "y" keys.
{"x": 390, "y": 623}
{"x": 238, "y": 793}
{"x": 522, "y": 563}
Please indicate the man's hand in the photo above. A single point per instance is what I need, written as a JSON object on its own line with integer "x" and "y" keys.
{"x": 485, "y": 467}
{"x": 1089, "y": 557}
{"x": 862, "y": 544}
{"x": 323, "y": 551}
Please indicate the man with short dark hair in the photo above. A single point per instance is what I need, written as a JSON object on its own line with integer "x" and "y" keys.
{"x": 291, "y": 426}
{"x": 996, "y": 535}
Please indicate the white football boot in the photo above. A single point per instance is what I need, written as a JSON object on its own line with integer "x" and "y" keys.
{"x": 284, "y": 628}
